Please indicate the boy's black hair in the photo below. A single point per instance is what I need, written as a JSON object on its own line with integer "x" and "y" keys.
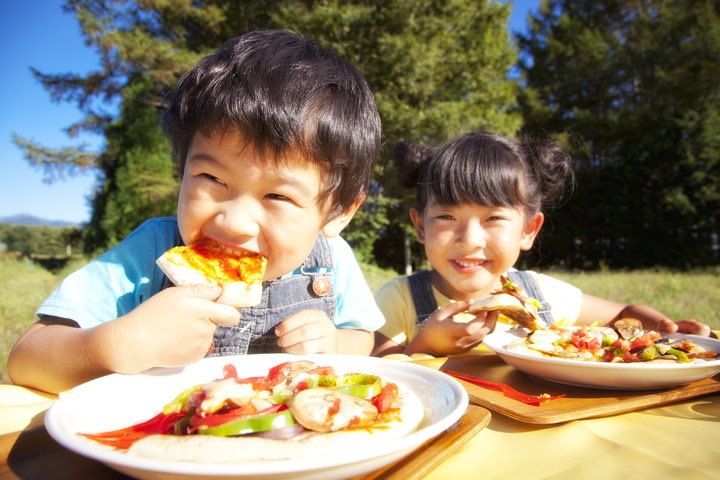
{"x": 282, "y": 92}
{"x": 487, "y": 169}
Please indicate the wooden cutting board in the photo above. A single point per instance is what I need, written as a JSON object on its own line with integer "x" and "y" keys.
{"x": 578, "y": 402}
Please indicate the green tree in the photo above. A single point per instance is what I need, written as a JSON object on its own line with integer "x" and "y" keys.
{"x": 438, "y": 68}
{"x": 632, "y": 87}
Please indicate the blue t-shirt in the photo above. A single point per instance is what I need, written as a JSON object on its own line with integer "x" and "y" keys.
{"x": 125, "y": 276}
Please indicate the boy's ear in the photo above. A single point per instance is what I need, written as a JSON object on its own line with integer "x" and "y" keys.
{"x": 337, "y": 224}
{"x": 417, "y": 221}
{"x": 532, "y": 228}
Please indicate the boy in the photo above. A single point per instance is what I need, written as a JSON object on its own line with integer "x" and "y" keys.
{"x": 275, "y": 139}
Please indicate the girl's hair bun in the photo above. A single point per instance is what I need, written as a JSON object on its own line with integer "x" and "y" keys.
{"x": 410, "y": 157}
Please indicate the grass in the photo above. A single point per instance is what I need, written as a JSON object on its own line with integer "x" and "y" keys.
{"x": 25, "y": 284}
{"x": 23, "y": 287}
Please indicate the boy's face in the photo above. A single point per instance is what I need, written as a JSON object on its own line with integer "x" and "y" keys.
{"x": 233, "y": 195}
{"x": 470, "y": 246}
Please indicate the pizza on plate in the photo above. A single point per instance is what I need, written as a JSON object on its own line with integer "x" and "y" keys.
{"x": 624, "y": 342}
{"x": 298, "y": 410}
{"x": 206, "y": 262}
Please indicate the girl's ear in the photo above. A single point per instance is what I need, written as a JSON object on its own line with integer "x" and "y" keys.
{"x": 417, "y": 221}
{"x": 532, "y": 228}
{"x": 337, "y": 224}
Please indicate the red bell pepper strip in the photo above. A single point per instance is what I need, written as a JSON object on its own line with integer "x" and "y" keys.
{"x": 122, "y": 439}
{"x": 505, "y": 389}
{"x": 384, "y": 400}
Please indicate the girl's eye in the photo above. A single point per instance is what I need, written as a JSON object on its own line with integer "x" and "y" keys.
{"x": 444, "y": 217}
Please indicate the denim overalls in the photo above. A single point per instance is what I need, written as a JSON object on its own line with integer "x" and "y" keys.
{"x": 280, "y": 299}
{"x": 425, "y": 304}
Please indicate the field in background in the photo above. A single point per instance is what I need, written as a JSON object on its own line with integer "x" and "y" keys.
{"x": 24, "y": 285}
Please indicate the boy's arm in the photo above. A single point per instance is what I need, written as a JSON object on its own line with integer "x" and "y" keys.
{"x": 173, "y": 328}
{"x": 594, "y": 308}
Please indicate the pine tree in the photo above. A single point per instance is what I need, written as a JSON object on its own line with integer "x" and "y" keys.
{"x": 438, "y": 68}
{"x": 633, "y": 88}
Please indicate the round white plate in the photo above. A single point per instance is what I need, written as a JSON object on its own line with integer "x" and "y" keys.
{"x": 606, "y": 376}
{"x": 118, "y": 401}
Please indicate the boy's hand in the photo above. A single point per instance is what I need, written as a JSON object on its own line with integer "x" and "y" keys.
{"x": 442, "y": 336}
{"x": 173, "y": 328}
{"x": 307, "y": 331}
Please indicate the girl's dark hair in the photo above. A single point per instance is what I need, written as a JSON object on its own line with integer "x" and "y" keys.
{"x": 282, "y": 92}
{"x": 487, "y": 169}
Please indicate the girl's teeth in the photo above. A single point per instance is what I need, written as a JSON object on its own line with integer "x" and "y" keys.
{"x": 468, "y": 264}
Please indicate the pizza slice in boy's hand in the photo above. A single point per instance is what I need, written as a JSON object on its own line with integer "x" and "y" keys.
{"x": 206, "y": 262}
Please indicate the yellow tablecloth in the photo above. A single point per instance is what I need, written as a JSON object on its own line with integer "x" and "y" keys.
{"x": 677, "y": 441}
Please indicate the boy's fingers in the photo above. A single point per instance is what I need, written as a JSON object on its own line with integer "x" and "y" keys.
{"x": 202, "y": 291}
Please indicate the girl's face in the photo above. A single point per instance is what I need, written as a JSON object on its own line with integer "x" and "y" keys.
{"x": 470, "y": 246}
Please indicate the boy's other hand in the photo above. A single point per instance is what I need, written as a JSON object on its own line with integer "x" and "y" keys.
{"x": 173, "y": 328}
{"x": 307, "y": 331}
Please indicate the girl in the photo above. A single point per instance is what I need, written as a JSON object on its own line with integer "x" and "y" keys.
{"x": 480, "y": 200}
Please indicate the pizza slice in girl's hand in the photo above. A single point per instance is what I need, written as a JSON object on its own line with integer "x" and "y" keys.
{"x": 206, "y": 262}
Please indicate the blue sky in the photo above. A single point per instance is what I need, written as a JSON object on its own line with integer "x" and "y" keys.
{"x": 38, "y": 34}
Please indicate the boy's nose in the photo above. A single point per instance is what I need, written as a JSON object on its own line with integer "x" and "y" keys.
{"x": 238, "y": 218}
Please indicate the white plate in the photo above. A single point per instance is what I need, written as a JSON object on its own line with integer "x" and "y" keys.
{"x": 117, "y": 401}
{"x": 606, "y": 376}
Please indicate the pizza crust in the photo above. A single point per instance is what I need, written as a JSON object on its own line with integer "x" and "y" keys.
{"x": 212, "y": 449}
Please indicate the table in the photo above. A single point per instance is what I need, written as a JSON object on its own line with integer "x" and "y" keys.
{"x": 676, "y": 441}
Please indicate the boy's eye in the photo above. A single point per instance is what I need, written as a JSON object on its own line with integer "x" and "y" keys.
{"x": 277, "y": 196}
{"x": 213, "y": 178}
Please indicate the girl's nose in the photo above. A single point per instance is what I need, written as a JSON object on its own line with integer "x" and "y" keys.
{"x": 472, "y": 236}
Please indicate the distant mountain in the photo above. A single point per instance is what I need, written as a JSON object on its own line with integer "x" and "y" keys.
{"x": 30, "y": 221}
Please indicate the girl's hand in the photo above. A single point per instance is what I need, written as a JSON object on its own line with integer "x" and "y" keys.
{"x": 307, "y": 331}
{"x": 173, "y": 328}
{"x": 442, "y": 336}
{"x": 689, "y": 326}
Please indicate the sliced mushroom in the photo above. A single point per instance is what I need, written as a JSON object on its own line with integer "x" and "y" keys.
{"x": 628, "y": 328}
{"x": 296, "y": 368}
{"x": 314, "y": 409}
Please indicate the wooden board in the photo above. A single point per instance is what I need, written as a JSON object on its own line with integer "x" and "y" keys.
{"x": 433, "y": 452}
{"x": 32, "y": 454}
{"x": 578, "y": 402}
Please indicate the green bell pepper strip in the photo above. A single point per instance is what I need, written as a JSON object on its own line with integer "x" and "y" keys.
{"x": 355, "y": 384}
{"x": 682, "y": 356}
{"x": 253, "y": 424}
{"x": 649, "y": 353}
{"x": 179, "y": 402}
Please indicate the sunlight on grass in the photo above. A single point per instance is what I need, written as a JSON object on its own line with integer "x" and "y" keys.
{"x": 23, "y": 287}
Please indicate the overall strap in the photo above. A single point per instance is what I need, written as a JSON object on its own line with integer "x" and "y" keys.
{"x": 423, "y": 297}
{"x": 532, "y": 288}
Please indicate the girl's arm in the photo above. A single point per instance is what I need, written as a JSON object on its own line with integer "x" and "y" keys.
{"x": 385, "y": 346}
{"x": 594, "y": 308}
